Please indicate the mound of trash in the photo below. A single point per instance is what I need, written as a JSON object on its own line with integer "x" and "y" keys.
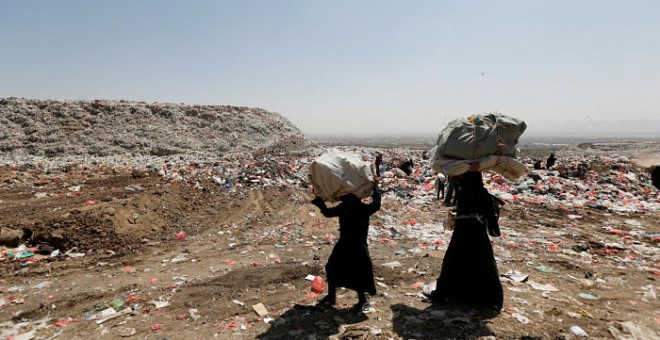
{"x": 54, "y": 128}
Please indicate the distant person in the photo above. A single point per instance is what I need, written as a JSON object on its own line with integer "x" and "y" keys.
{"x": 581, "y": 171}
{"x": 378, "y": 162}
{"x": 439, "y": 186}
{"x": 349, "y": 264}
{"x": 450, "y": 193}
{"x": 469, "y": 273}
{"x": 406, "y": 167}
{"x": 537, "y": 165}
{"x": 551, "y": 161}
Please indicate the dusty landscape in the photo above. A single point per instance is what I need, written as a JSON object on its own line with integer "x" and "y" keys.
{"x": 144, "y": 241}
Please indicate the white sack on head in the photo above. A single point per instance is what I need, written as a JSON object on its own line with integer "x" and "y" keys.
{"x": 335, "y": 173}
{"x": 509, "y": 167}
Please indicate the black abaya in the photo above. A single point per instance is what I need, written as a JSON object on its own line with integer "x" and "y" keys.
{"x": 469, "y": 272}
{"x": 350, "y": 265}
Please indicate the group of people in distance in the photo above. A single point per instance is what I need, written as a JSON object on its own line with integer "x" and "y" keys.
{"x": 469, "y": 273}
{"x": 549, "y": 163}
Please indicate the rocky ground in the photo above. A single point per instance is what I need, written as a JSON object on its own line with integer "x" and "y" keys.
{"x": 142, "y": 245}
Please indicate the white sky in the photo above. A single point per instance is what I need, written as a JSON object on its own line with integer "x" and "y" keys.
{"x": 349, "y": 67}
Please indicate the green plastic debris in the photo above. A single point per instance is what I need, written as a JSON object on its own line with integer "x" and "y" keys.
{"x": 588, "y": 296}
{"x": 25, "y": 255}
{"x": 116, "y": 304}
{"x": 545, "y": 269}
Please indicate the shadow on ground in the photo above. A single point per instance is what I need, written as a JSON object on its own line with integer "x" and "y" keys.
{"x": 441, "y": 322}
{"x": 304, "y": 322}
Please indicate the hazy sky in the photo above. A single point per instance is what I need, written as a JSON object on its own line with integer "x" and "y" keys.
{"x": 349, "y": 66}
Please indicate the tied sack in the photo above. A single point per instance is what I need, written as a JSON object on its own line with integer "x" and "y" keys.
{"x": 479, "y": 143}
{"x": 335, "y": 173}
{"x": 480, "y": 135}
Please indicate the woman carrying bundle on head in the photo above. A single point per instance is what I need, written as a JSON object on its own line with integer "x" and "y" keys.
{"x": 469, "y": 274}
{"x": 349, "y": 264}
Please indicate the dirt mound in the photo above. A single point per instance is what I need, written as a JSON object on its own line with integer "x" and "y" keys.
{"x": 105, "y": 127}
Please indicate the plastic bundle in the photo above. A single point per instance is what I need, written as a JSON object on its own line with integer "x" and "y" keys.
{"x": 479, "y": 143}
{"x": 335, "y": 173}
{"x": 480, "y": 135}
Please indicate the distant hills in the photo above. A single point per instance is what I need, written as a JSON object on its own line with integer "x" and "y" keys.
{"x": 559, "y": 132}
{"x": 637, "y": 128}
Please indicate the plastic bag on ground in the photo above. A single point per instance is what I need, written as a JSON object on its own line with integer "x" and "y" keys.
{"x": 335, "y": 173}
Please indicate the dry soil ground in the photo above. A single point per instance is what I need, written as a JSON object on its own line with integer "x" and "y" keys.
{"x": 257, "y": 246}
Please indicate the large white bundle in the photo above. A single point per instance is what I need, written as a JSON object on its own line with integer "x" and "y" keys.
{"x": 509, "y": 167}
{"x": 336, "y": 173}
{"x": 479, "y": 136}
{"x": 480, "y": 142}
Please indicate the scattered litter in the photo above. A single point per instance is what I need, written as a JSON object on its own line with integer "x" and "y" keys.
{"x": 177, "y": 259}
{"x": 629, "y": 330}
{"x": 545, "y": 287}
{"x": 42, "y": 285}
{"x": 260, "y": 309}
{"x": 126, "y": 332}
{"x": 194, "y": 314}
{"x": 579, "y": 331}
{"x": 588, "y": 296}
{"x": 516, "y": 276}
{"x": 160, "y": 303}
{"x": 393, "y": 264}
{"x": 545, "y": 269}
{"x": 417, "y": 285}
{"x": 110, "y": 313}
{"x": 521, "y": 318}
{"x": 318, "y": 285}
{"x": 63, "y": 323}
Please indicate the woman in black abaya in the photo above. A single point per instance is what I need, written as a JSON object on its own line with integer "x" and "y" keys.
{"x": 350, "y": 265}
{"x": 469, "y": 273}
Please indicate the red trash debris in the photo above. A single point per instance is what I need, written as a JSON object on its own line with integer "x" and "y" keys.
{"x": 417, "y": 285}
{"x": 63, "y": 323}
{"x": 180, "y": 236}
{"x": 318, "y": 285}
{"x": 133, "y": 298}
